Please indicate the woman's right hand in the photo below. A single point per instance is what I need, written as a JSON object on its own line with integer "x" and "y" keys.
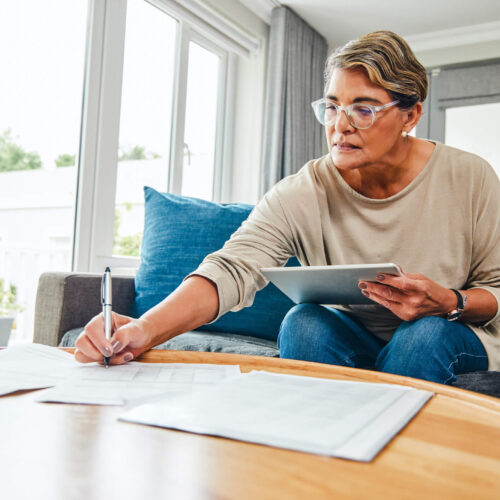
{"x": 130, "y": 339}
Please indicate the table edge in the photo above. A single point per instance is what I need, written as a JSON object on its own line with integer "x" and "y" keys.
{"x": 308, "y": 368}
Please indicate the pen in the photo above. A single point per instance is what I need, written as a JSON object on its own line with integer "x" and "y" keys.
{"x": 106, "y": 299}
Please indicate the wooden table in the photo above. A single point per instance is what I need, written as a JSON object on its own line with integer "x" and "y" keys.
{"x": 451, "y": 449}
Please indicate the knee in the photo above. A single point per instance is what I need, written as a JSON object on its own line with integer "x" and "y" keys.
{"x": 423, "y": 335}
{"x": 299, "y": 320}
{"x": 303, "y": 330}
{"x": 414, "y": 347}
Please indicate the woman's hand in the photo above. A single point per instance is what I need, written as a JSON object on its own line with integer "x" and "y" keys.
{"x": 410, "y": 296}
{"x": 130, "y": 339}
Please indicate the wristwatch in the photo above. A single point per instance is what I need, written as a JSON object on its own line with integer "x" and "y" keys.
{"x": 461, "y": 301}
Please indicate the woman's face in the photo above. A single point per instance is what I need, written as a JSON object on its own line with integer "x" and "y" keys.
{"x": 350, "y": 147}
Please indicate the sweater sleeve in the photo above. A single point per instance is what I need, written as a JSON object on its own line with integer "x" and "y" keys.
{"x": 263, "y": 240}
{"x": 485, "y": 263}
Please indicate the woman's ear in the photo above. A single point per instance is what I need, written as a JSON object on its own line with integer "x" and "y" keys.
{"x": 412, "y": 117}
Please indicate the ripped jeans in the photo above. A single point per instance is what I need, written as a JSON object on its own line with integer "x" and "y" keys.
{"x": 429, "y": 348}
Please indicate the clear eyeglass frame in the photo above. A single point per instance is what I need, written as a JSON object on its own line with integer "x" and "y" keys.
{"x": 348, "y": 110}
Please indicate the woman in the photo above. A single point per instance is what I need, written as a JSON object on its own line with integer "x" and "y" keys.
{"x": 379, "y": 195}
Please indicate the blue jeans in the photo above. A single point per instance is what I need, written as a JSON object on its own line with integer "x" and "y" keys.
{"x": 430, "y": 348}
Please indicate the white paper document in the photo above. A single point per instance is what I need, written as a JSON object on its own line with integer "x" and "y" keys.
{"x": 131, "y": 383}
{"x": 353, "y": 420}
{"x": 33, "y": 366}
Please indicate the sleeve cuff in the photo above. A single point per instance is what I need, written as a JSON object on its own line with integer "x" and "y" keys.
{"x": 226, "y": 287}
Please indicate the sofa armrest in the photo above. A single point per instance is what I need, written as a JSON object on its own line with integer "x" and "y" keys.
{"x": 70, "y": 300}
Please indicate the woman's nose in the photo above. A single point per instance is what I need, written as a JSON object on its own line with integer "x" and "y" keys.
{"x": 342, "y": 122}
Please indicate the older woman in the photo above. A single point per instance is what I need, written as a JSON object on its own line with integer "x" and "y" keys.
{"x": 379, "y": 195}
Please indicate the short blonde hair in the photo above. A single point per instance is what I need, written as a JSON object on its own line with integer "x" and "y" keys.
{"x": 389, "y": 63}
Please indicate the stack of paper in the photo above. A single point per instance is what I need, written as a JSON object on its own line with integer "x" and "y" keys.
{"x": 33, "y": 366}
{"x": 36, "y": 366}
{"x": 352, "y": 420}
{"x": 346, "y": 419}
{"x": 130, "y": 383}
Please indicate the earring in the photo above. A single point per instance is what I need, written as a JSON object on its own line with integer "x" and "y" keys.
{"x": 404, "y": 134}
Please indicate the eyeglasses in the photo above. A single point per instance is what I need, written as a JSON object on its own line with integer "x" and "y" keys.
{"x": 360, "y": 116}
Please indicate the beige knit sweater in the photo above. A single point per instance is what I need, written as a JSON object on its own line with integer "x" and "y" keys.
{"x": 445, "y": 224}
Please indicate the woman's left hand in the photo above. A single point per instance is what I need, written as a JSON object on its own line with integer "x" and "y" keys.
{"x": 410, "y": 296}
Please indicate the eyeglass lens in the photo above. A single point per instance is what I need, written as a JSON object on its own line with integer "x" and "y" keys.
{"x": 359, "y": 116}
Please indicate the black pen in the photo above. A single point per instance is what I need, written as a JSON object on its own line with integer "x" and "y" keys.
{"x": 106, "y": 299}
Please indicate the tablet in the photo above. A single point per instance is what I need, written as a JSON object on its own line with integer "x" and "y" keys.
{"x": 327, "y": 284}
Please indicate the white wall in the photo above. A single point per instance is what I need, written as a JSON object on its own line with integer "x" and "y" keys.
{"x": 459, "y": 54}
{"x": 455, "y": 55}
{"x": 250, "y": 95}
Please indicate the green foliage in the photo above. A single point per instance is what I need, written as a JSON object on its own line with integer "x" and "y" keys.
{"x": 66, "y": 160}
{"x": 136, "y": 153}
{"x": 14, "y": 157}
{"x": 129, "y": 246}
{"x": 8, "y": 299}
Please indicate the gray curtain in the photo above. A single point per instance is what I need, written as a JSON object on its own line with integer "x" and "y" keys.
{"x": 296, "y": 59}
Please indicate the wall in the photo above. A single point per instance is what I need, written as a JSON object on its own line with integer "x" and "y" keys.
{"x": 249, "y": 99}
{"x": 459, "y": 54}
{"x": 454, "y": 55}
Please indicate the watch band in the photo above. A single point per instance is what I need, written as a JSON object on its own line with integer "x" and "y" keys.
{"x": 461, "y": 302}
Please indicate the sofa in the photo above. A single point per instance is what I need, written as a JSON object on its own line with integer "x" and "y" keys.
{"x": 178, "y": 233}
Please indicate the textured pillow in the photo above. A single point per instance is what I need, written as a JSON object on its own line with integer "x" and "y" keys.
{"x": 178, "y": 233}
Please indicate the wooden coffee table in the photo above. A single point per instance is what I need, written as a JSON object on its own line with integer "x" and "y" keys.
{"x": 451, "y": 449}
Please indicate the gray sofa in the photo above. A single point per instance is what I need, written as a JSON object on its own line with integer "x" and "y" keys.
{"x": 65, "y": 302}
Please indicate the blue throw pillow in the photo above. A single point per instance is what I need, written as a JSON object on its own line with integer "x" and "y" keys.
{"x": 178, "y": 233}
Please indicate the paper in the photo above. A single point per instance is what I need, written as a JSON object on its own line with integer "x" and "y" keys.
{"x": 33, "y": 366}
{"x": 131, "y": 383}
{"x": 352, "y": 420}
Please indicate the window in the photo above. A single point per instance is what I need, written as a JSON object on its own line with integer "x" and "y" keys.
{"x": 461, "y": 109}
{"x": 40, "y": 100}
{"x": 201, "y": 123}
{"x": 97, "y": 101}
{"x": 475, "y": 129}
{"x": 167, "y": 127}
{"x": 145, "y": 119}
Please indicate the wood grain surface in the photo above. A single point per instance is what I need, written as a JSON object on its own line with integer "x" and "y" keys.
{"x": 451, "y": 449}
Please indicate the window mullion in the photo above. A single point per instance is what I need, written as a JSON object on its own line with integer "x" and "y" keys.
{"x": 219, "y": 128}
{"x": 99, "y": 143}
{"x": 89, "y": 137}
{"x": 224, "y": 167}
{"x": 108, "y": 134}
{"x": 179, "y": 109}
{"x": 100, "y": 127}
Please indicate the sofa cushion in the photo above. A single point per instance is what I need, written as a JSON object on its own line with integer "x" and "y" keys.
{"x": 484, "y": 382}
{"x": 222, "y": 342}
{"x": 204, "y": 342}
{"x": 178, "y": 233}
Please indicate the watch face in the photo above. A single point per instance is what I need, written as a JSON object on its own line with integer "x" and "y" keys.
{"x": 454, "y": 315}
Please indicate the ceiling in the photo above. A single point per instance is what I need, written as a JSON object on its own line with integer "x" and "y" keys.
{"x": 342, "y": 20}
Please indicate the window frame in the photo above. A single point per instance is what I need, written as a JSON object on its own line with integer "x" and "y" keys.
{"x": 98, "y": 157}
{"x": 472, "y": 83}
{"x": 224, "y": 119}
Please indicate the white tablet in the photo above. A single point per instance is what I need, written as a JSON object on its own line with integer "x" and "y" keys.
{"x": 327, "y": 284}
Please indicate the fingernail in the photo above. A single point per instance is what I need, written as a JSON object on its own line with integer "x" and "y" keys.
{"x": 128, "y": 357}
{"x": 117, "y": 346}
{"x": 381, "y": 277}
{"x": 364, "y": 292}
{"x": 362, "y": 285}
{"x": 107, "y": 351}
